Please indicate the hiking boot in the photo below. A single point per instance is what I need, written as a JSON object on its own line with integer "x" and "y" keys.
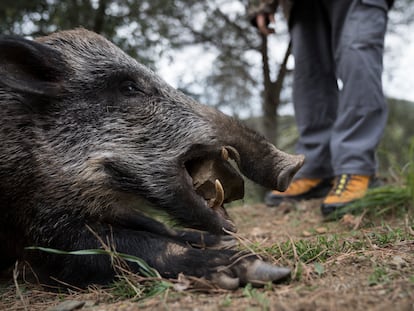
{"x": 347, "y": 188}
{"x": 300, "y": 189}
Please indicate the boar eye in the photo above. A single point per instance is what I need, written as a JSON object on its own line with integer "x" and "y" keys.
{"x": 130, "y": 88}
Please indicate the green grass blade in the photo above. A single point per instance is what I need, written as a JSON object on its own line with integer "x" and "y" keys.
{"x": 145, "y": 269}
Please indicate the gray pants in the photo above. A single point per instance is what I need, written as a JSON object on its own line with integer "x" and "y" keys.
{"x": 336, "y": 40}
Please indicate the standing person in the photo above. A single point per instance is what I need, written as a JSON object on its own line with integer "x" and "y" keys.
{"x": 334, "y": 43}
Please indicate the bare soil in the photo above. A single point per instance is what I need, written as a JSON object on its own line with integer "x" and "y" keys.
{"x": 372, "y": 276}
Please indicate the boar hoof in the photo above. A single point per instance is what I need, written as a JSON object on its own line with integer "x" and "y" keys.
{"x": 256, "y": 272}
{"x": 260, "y": 273}
{"x": 226, "y": 282}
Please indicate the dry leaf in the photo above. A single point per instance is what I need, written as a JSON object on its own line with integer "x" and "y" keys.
{"x": 321, "y": 229}
{"x": 306, "y": 233}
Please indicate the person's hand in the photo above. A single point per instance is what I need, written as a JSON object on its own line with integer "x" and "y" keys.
{"x": 263, "y": 21}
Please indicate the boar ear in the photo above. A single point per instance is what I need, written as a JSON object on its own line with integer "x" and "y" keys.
{"x": 30, "y": 67}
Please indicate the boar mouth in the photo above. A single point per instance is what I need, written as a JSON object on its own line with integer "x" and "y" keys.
{"x": 216, "y": 180}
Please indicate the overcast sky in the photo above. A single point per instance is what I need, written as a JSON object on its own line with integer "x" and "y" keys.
{"x": 399, "y": 69}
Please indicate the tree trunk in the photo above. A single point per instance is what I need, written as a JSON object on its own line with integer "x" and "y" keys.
{"x": 100, "y": 16}
{"x": 272, "y": 91}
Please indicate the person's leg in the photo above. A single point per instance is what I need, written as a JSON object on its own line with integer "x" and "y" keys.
{"x": 315, "y": 87}
{"x": 358, "y": 41}
{"x": 362, "y": 110}
{"x": 315, "y": 101}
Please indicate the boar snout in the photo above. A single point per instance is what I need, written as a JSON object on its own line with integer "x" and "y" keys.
{"x": 272, "y": 168}
{"x": 292, "y": 164}
{"x": 257, "y": 159}
{"x": 275, "y": 169}
{"x": 209, "y": 180}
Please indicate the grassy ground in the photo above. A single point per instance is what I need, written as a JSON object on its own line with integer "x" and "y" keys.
{"x": 357, "y": 263}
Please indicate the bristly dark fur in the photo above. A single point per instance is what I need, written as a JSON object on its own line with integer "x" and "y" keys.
{"x": 86, "y": 134}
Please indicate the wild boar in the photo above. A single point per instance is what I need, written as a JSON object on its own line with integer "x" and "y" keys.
{"x": 87, "y": 134}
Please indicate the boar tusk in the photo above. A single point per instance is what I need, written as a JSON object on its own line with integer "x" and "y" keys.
{"x": 233, "y": 153}
{"x": 224, "y": 154}
{"x": 219, "y": 199}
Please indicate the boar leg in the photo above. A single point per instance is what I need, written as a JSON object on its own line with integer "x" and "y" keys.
{"x": 226, "y": 268}
{"x": 137, "y": 221}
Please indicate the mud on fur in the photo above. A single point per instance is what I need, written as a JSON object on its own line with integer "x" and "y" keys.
{"x": 87, "y": 133}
